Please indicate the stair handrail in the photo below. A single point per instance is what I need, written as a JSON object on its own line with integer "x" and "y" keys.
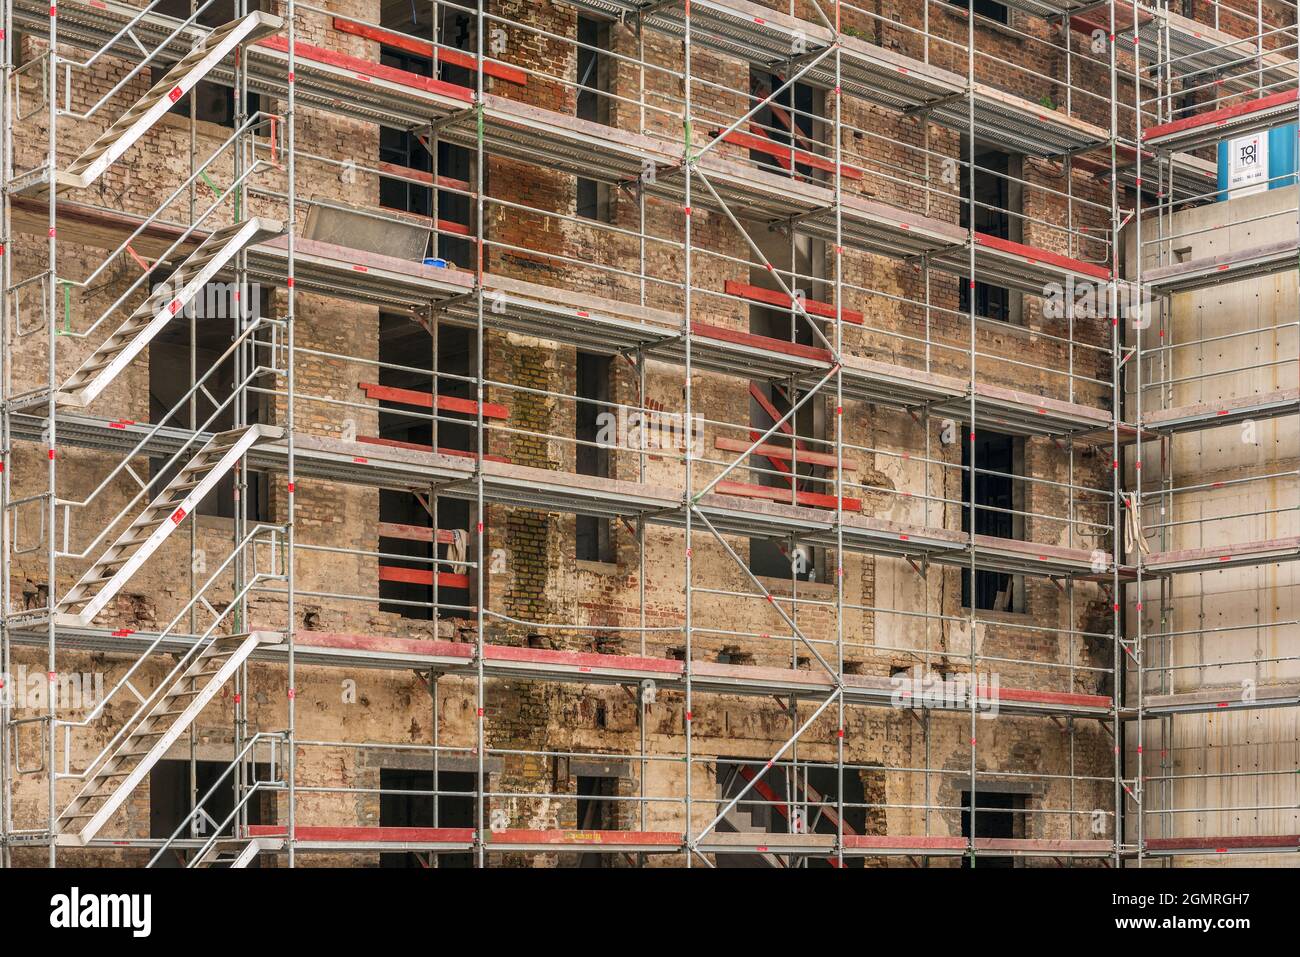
{"x": 231, "y": 190}
{"x": 146, "y": 705}
{"x": 275, "y": 738}
{"x": 68, "y": 504}
{"x": 70, "y": 64}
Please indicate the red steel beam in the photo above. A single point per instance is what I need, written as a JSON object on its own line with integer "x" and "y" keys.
{"x": 418, "y": 576}
{"x": 767, "y": 343}
{"x": 1220, "y": 116}
{"x": 383, "y": 835}
{"x": 409, "y": 44}
{"x": 423, "y": 176}
{"x": 368, "y": 69}
{"x": 446, "y": 403}
{"x": 811, "y": 499}
{"x": 1034, "y": 254}
{"x": 414, "y": 533}
{"x": 780, "y": 452}
{"x": 773, "y": 297}
{"x": 764, "y": 144}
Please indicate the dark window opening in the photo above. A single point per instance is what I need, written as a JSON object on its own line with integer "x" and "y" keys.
{"x": 455, "y": 809}
{"x": 407, "y": 344}
{"x": 213, "y": 102}
{"x": 171, "y": 797}
{"x": 595, "y": 73}
{"x": 215, "y": 313}
{"x": 997, "y": 201}
{"x": 998, "y": 460}
{"x": 990, "y": 9}
{"x": 458, "y": 29}
{"x": 997, "y": 815}
{"x": 787, "y": 800}
{"x": 788, "y": 121}
{"x": 595, "y": 539}
{"x": 768, "y": 403}
{"x": 405, "y": 149}
{"x": 596, "y": 814}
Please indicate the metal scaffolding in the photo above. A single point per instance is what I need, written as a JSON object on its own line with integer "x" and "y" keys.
{"x": 705, "y": 177}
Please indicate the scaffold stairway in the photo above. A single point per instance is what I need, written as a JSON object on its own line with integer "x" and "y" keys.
{"x": 129, "y": 340}
{"x": 164, "y": 94}
{"x": 236, "y": 852}
{"x": 160, "y": 518}
{"x": 177, "y": 702}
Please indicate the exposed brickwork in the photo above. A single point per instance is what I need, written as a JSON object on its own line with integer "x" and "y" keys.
{"x": 904, "y": 471}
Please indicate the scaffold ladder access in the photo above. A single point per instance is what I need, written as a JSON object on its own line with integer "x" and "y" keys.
{"x": 177, "y": 702}
{"x": 163, "y": 95}
{"x": 157, "y": 522}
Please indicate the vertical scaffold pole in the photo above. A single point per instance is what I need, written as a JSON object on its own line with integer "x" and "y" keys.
{"x": 479, "y": 604}
{"x": 291, "y": 760}
{"x": 688, "y": 161}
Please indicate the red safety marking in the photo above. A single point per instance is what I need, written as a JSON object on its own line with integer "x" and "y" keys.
{"x": 291, "y": 486}
{"x": 359, "y": 460}
{"x": 178, "y": 515}
{"x": 422, "y": 48}
{"x": 138, "y": 260}
{"x": 361, "y": 268}
{"x": 479, "y": 712}
{"x": 175, "y": 94}
{"x": 292, "y": 694}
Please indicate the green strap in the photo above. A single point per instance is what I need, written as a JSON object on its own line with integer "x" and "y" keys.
{"x": 203, "y": 175}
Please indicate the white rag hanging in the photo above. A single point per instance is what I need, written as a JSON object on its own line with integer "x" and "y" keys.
{"x": 456, "y": 549}
{"x": 1133, "y": 536}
